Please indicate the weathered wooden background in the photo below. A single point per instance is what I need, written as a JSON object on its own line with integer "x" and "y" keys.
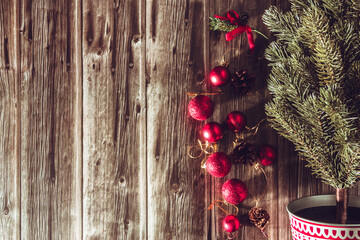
{"x": 93, "y": 122}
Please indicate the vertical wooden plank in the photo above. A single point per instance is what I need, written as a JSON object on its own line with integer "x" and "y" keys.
{"x": 50, "y": 124}
{"x": 9, "y": 120}
{"x": 114, "y": 106}
{"x": 175, "y": 64}
{"x": 286, "y": 175}
{"x": 252, "y": 105}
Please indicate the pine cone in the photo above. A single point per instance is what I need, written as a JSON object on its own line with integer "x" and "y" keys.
{"x": 242, "y": 81}
{"x": 244, "y": 153}
{"x": 244, "y": 17}
{"x": 259, "y": 217}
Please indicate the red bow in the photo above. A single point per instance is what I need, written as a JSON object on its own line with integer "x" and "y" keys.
{"x": 234, "y": 18}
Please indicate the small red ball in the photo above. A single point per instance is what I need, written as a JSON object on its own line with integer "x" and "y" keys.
{"x": 236, "y": 121}
{"x": 219, "y": 76}
{"x": 231, "y": 223}
{"x": 212, "y": 132}
{"x": 234, "y": 191}
{"x": 267, "y": 154}
{"x": 201, "y": 107}
{"x": 218, "y": 165}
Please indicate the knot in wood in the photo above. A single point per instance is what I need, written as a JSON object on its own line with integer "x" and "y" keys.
{"x": 122, "y": 180}
{"x": 6, "y": 211}
{"x": 136, "y": 38}
{"x": 175, "y": 187}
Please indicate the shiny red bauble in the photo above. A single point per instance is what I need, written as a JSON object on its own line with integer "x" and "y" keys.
{"x": 218, "y": 165}
{"x": 219, "y": 76}
{"x": 234, "y": 191}
{"x": 267, "y": 155}
{"x": 212, "y": 132}
{"x": 231, "y": 223}
{"x": 236, "y": 121}
{"x": 201, "y": 107}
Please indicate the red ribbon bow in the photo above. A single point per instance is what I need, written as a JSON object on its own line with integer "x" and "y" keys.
{"x": 234, "y": 18}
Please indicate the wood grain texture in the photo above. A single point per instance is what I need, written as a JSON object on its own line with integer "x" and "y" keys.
{"x": 174, "y": 64}
{"x": 49, "y": 161}
{"x": 9, "y": 121}
{"x": 114, "y": 108}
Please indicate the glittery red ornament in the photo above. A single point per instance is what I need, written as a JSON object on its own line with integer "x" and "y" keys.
{"x": 267, "y": 155}
{"x": 234, "y": 191}
{"x": 201, "y": 107}
{"x": 218, "y": 164}
{"x": 231, "y": 223}
{"x": 236, "y": 121}
{"x": 219, "y": 75}
{"x": 212, "y": 132}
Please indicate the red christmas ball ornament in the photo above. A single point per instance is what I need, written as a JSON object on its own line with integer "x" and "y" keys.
{"x": 234, "y": 191}
{"x": 267, "y": 155}
{"x": 218, "y": 164}
{"x": 212, "y": 132}
{"x": 201, "y": 107}
{"x": 219, "y": 75}
{"x": 236, "y": 121}
{"x": 231, "y": 223}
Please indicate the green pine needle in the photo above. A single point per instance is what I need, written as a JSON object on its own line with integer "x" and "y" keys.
{"x": 315, "y": 85}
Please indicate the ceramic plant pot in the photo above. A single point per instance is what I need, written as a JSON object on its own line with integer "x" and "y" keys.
{"x": 303, "y": 211}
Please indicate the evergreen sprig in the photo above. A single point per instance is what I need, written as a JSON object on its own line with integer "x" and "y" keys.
{"x": 217, "y": 24}
{"x": 315, "y": 83}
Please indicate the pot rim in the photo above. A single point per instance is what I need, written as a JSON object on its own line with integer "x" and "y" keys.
{"x": 317, "y": 201}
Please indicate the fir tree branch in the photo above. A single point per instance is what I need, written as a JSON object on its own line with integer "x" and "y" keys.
{"x": 315, "y": 83}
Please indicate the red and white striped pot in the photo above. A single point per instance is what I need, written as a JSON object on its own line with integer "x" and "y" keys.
{"x": 304, "y": 229}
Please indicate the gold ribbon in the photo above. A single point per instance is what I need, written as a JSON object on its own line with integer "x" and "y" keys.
{"x": 203, "y": 148}
{"x": 250, "y": 132}
{"x": 217, "y": 92}
{"x": 218, "y": 202}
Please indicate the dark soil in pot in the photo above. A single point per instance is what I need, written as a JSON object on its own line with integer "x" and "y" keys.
{"x": 327, "y": 214}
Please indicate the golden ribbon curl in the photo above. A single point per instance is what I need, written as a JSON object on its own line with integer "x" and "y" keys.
{"x": 204, "y": 148}
{"x": 218, "y": 202}
{"x": 217, "y": 92}
{"x": 249, "y": 132}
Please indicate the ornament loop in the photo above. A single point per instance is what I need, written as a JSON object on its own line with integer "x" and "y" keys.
{"x": 264, "y": 233}
{"x": 232, "y": 237}
{"x": 258, "y": 166}
{"x": 223, "y": 62}
{"x": 202, "y": 148}
{"x": 218, "y": 202}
